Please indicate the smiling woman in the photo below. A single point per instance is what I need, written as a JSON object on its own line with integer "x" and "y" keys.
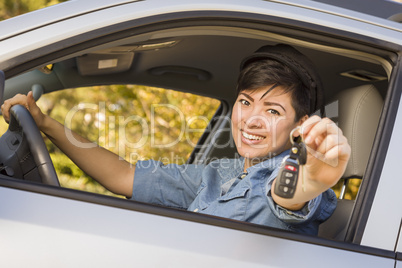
{"x": 257, "y": 124}
{"x": 263, "y": 117}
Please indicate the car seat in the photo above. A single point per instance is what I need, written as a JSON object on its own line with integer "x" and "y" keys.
{"x": 359, "y": 112}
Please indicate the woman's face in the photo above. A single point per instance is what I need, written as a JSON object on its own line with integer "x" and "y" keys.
{"x": 261, "y": 123}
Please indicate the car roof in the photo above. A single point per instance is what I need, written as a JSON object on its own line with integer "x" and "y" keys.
{"x": 72, "y": 8}
{"x": 379, "y": 8}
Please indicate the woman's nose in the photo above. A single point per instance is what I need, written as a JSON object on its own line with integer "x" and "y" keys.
{"x": 255, "y": 121}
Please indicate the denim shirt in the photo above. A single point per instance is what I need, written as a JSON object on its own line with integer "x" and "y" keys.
{"x": 221, "y": 188}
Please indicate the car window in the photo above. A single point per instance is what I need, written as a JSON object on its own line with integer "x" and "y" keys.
{"x": 135, "y": 122}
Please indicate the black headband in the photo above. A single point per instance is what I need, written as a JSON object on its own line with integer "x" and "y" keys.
{"x": 299, "y": 64}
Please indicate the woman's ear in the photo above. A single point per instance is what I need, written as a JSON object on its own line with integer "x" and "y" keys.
{"x": 301, "y": 121}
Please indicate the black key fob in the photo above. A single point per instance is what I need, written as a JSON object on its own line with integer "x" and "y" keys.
{"x": 286, "y": 181}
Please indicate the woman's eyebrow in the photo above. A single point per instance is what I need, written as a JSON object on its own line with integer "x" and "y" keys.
{"x": 247, "y": 96}
{"x": 269, "y": 103}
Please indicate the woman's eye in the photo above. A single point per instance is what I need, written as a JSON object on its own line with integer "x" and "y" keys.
{"x": 272, "y": 111}
{"x": 244, "y": 102}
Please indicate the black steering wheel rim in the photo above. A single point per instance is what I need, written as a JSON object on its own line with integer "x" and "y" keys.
{"x": 21, "y": 120}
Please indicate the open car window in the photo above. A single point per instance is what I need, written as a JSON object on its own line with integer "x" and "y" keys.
{"x": 135, "y": 122}
{"x": 148, "y": 122}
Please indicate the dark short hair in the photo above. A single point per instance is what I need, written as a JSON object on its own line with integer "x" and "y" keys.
{"x": 286, "y": 66}
{"x": 267, "y": 72}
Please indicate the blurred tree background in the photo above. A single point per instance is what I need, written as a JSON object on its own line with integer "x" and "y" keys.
{"x": 12, "y": 8}
{"x": 135, "y": 122}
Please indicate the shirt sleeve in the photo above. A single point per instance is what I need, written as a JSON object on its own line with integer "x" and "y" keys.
{"x": 313, "y": 213}
{"x": 168, "y": 185}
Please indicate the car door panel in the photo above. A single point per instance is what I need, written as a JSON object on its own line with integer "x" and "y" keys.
{"x": 51, "y": 230}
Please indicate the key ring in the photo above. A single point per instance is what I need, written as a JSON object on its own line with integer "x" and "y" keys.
{"x": 293, "y": 142}
{"x": 293, "y": 131}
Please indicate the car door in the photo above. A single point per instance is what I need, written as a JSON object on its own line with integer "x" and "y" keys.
{"x": 51, "y": 226}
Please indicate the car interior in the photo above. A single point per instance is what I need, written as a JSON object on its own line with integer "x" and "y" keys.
{"x": 205, "y": 59}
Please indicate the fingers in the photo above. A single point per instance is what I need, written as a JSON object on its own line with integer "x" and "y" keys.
{"x": 31, "y": 104}
{"x": 316, "y": 126}
{"x": 325, "y": 140}
{"x": 17, "y": 99}
{"x": 30, "y": 99}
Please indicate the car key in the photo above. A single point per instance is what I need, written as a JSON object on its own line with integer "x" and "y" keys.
{"x": 286, "y": 181}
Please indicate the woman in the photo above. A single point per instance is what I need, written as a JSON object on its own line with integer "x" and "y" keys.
{"x": 278, "y": 89}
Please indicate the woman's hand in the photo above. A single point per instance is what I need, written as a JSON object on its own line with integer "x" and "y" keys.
{"x": 29, "y": 103}
{"x": 328, "y": 151}
{"x": 328, "y": 154}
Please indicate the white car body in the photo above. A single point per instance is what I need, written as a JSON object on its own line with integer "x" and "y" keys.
{"x": 50, "y": 227}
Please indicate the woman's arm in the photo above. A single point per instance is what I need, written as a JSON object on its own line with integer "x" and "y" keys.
{"x": 114, "y": 173}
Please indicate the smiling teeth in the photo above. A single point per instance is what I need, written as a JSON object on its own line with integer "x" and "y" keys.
{"x": 252, "y": 137}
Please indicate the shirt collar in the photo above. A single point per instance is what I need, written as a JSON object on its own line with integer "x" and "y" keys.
{"x": 234, "y": 167}
{"x": 271, "y": 164}
{"x": 231, "y": 168}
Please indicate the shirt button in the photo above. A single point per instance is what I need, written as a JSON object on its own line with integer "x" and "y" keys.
{"x": 243, "y": 176}
{"x": 196, "y": 210}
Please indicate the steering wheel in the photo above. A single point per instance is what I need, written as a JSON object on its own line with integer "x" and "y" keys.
{"x": 23, "y": 125}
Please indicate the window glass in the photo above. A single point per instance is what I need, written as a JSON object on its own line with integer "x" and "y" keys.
{"x": 135, "y": 122}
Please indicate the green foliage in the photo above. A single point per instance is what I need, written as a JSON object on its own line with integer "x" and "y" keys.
{"x": 12, "y": 8}
{"x": 3, "y": 126}
{"x": 351, "y": 189}
{"x": 134, "y": 122}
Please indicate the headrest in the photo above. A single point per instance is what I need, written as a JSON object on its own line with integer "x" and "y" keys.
{"x": 299, "y": 64}
{"x": 359, "y": 113}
